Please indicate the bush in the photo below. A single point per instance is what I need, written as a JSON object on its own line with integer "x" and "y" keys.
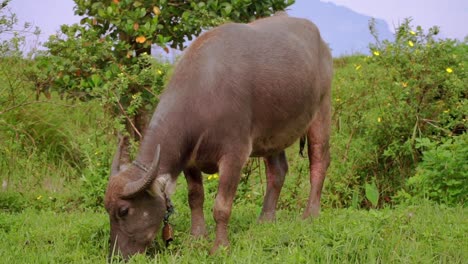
{"x": 411, "y": 88}
{"x": 442, "y": 175}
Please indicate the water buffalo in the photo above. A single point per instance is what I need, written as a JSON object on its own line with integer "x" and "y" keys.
{"x": 239, "y": 91}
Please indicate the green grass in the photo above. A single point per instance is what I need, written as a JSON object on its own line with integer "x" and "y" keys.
{"x": 415, "y": 234}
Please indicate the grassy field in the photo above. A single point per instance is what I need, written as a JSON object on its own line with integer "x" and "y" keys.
{"x": 412, "y": 234}
{"x": 46, "y": 227}
{"x": 55, "y": 157}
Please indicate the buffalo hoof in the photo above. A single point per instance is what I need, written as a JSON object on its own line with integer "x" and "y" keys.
{"x": 219, "y": 247}
{"x": 312, "y": 211}
{"x": 267, "y": 217}
{"x": 199, "y": 232}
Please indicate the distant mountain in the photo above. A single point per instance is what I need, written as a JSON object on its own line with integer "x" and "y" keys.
{"x": 346, "y": 31}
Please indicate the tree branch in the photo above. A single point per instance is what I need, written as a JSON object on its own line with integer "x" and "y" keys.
{"x": 127, "y": 117}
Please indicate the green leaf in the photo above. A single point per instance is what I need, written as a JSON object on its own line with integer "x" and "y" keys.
{"x": 372, "y": 193}
{"x": 109, "y": 10}
{"x": 101, "y": 13}
{"x": 228, "y": 9}
{"x": 84, "y": 21}
{"x": 355, "y": 199}
{"x": 96, "y": 80}
{"x": 66, "y": 79}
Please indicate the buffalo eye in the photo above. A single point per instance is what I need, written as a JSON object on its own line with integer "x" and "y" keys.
{"x": 123, "y": 211}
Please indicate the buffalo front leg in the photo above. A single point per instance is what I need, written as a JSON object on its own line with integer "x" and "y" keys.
{"x": 276, "y": 169}
{"x": 319, "y": 157}
{"x": 196, "y": 197}
{"x": 230, "y": 172}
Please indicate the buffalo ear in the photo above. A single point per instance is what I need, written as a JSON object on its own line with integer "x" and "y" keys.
{"x": 160, "y": 185}
{"x": 121, "y": 155}
{"x": 133, "y": 188}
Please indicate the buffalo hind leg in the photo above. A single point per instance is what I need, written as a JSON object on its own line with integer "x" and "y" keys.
{"x": 196, "y": 199}
{"x": 276, "y": 169}
{"x": 319, "y": 158}
{"x": 230, "y": 167}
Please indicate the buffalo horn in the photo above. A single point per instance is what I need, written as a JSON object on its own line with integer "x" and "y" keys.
{"x": 135, "y": 187}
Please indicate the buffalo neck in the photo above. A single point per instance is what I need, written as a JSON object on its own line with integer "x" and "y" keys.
{"x": 166, "y": 129}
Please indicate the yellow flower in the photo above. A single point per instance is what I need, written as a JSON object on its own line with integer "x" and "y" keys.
{"x": 446, "y": 111}
{"x": 39, "y": 197}
{"x": 156, "y": 10}
{"x": 449, "y": 70}
{"x": 358, "y": 67}
{"x": 213, "y": 176}
{"x": 412, "y": 32}
{"x": 376, "y": 53}
{"x": 159, "y": 72}
{"x": 338, "y": 99}
{"x": 379, "y": 119}
{"x": 410, "y": 43}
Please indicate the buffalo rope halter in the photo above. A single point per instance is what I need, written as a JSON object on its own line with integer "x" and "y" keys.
{"x": 167, "y": 231}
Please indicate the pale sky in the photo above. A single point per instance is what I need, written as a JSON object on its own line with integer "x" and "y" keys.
{"x": 450, "y": 15}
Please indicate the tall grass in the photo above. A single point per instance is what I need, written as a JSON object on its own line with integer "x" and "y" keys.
{"x": 48, "y": 144}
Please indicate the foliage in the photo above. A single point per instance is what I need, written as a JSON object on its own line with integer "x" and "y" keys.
{"x": 411, "y": 88}
{"x": 46, "y": 143}
{"x": 52, "y": 149}
{"x": 12, "y": 46}
{"x": 442, "y": 175}
{"x": 143, "y": 23}
{"x": 372, "y": 193}
{"x": 30, "y": 138}
{"x": 85, "y": 68}
{"x": 12, "y": 41}
{"x": 95, "y": 174}
{"x": 12, "y": 203}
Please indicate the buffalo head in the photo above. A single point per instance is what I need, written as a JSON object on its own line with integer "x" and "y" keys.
{"x": 136, "y": 205}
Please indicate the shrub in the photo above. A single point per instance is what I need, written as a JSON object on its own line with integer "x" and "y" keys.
{"x": 410, "y": 88}
{"x": 442, "y": 175}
